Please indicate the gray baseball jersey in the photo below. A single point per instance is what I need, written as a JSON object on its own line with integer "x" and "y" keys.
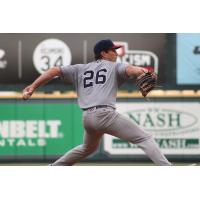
{"x": 96, "y": 82}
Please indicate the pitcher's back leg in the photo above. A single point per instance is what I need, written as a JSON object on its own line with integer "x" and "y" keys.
{"x": 126, "y": 130}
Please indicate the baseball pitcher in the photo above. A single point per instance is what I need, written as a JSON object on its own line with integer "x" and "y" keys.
{"x": 96, "y": 85}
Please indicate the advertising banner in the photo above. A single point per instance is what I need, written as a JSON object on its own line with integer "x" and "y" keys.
{"x": 188, "y": 58}
{"x": 39, "y": 129}
{"x": 175, "y": 127}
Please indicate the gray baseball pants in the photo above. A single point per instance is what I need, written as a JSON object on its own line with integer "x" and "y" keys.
{"x": 106, "y": 120}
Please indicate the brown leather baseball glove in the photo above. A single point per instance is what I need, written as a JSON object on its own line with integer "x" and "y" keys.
{"x": 146, "y": 82}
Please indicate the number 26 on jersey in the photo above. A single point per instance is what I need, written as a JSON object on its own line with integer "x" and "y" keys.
{"x": 90, "y": 78}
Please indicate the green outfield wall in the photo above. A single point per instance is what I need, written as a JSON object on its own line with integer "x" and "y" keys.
{"x": 39, "y": 129}
{"x": 44, "y": 129}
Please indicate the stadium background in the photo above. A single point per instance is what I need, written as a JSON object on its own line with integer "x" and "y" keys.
{"x": 42, "y": 129}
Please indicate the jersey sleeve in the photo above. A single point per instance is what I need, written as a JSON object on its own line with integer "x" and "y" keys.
{"x": 68, "y": 73}
{"x": 121, "y": 70}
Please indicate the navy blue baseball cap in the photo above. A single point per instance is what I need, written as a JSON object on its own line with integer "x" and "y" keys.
{"x": 104, "y": 45}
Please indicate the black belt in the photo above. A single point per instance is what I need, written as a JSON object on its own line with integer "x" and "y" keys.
{"x": 95, "y": 107}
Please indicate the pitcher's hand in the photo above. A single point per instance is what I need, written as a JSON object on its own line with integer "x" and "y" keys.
{"x": 27, "y": 92}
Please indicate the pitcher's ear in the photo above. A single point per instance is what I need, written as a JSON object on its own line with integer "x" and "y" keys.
{"x": 103, "y": 53}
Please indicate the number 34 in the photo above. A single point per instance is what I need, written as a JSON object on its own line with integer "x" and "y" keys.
{"x": 88, "y": 80}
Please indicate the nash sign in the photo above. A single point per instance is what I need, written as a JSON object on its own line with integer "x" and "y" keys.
{"x": 175, "y": 127}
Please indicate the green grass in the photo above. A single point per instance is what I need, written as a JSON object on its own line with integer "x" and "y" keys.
{"x": 100, "y": 164}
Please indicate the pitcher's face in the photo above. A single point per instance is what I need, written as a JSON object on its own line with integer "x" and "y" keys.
{"x": 110, "y": 55}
